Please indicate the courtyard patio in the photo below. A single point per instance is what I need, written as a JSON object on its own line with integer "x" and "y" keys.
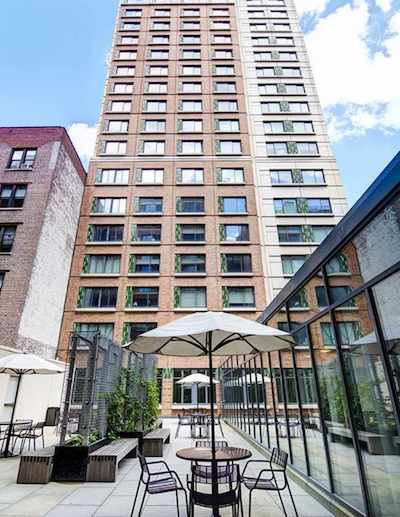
{"x": 115, "y": 499}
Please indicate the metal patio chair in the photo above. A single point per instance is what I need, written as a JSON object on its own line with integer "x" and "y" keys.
{"x": 230, "y": 497}
{"x": 158, "y": 482}
{"x": 217, "y": 421}
{"x": 184, "y": 420}
{"x": 34, "y": 433}
{"x": 276, "y": 480}
{"x": 201, "y": 470}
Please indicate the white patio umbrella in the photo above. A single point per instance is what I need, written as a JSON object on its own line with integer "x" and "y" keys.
{"x": 24, "y": 364}
{"x": 197, "y": 379}
{"x": 209, "y": 334}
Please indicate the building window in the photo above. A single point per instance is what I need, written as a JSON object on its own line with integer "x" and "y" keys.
{"x": 101, "y": 264}
{"x": 221, "y": 25}
{"x": 109, "y": 205}
{"x": 157, "y": 70}
{"x": 236, "y": 263}
{"x": 105, "y": 233}
{"x": 217, "y": 11}
{"x": 224, "y": 87}
{"x": 127, "y": 55}
{"x": 186, "y": 205}
{"x": 238, "y": 297}
{"x": 153, "y": 126}
{"x": 97, "y": 297}
{"x": 288, "y": 126}
{"x": 133, "y": 13}
{"x": 190, "y": 297}
{"x": 190, "y": 54}
{"x": 230, "y": 176}
{"x": 296, "y": 176}
{"x": 234, "y": 232}
{"x": 190, "y": 232}
{"x": 2, "y": 276}
{"x": 161, "y": 26}
{"x": 228, "y": 106}
{"x": 158, "y": 54}
{"x": 190, "y": 176}
{"x": 299, "y": 300}
{"x": 293, "y": 234}
{"x": 155, "y": 147}
{"x": 129, "y": 26}
{"x": 190, "y": 39}
{"x": 144, "y": 264}
{"x": 222, "y": 39}
{"x": 190, "y": 126}
{"x": 284, "y": 106}
{"x": 120, "y": 106}
{"x": 223, "y": 53}
{"x": 114, "y": 148}
{"x": 160, "y": 39}
{"x": 302, "y": 206}
{"x": 190, "y": 146}
{"x": 148, "y": 233}
{"x": 190, "y": 263}
{"x": 191, "y": 70}
{"x": 224, "y": 70}
{"x": 156, "y": 87}
{"x": 151, "y": 205}
{"x": 123, "y": 71}
{"x": 129, "y": 40}
{"x": 228, "y": 147}
{"x": 337, "y": 265}
{"x": 191, "y": 106}
{"x": 232, "y": 205}
{"x": 135, "y": 329}
{"x": 183, "y": 394}
{"x": 190, "y": 12}
{"x": 22, "y": 158}
{"x": 150, "y": 176}
{"x": 106, "y": 330}
{"x": 306, "y": 385}
{"x": 155, "y": 106}
{"x": 280, "y": 88}
{"x": 123, "y": 88}
{"x": 227, "y": 125}
{"x": 190, "y": 26}
{"x": 337, "y": 293}
{"x": 350, "y": 332}
{"x": 12, "y": 196}
{"x": 112, "y": 176}
{"x": 292, "y": 263}
{"x": 162, "y": 12}
{"x": 283, "y": 148}
{"x": 142, "y": 297}
{"x": 189, "y": 87}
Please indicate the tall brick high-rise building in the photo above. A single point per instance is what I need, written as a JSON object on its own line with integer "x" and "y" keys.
{"x": 212, "y": 179}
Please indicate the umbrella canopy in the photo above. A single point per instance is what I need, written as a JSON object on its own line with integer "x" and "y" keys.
{"x": 230, "y": 335}
{"x": 23, "y": 364}
{"x": 197, "y": 378}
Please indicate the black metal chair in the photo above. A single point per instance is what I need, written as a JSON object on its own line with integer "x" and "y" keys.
{"x": 184, "y": 420}
{"x": 158, "y": 482}
{"x": 230, "y": 497}
{"x": 276, "y": 480}
{"x": 19, "y": 429}
{"x": 217, "y": 421}
{"x": 34, "y": 433}
{"x": 201, "y": 469}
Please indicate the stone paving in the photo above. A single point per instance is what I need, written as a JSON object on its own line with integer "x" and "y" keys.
{"x": 115, "y": 499}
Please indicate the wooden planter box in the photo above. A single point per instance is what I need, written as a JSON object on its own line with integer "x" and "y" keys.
{"x": 70, "y": 463}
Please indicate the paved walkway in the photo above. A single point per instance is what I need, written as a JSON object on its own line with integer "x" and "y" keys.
{"x": 115, "y": 499}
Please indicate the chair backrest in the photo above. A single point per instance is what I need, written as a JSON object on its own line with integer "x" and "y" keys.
{"x": 38, "y": 426}
{"x": 279, "y": 457}
{"x": 143, "y": 463}
{"x": 226, "y": 474}
{"x": 219, "y": 444}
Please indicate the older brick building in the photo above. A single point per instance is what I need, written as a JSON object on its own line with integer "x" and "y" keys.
{"x": 41, "y": 186}
{"x": 212, "y": 178}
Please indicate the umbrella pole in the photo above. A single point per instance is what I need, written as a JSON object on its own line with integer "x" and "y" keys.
{"x": 10, "y": 427}
{"x": 214, "y": 474}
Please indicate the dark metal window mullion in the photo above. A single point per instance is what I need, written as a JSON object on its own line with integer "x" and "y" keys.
{"x": 248, "y": 398}
{"x": 273, "y": 399}
{"x": 285, "y": 406}
{"x": 265, "y": 400}
{"x": 257, "y": 399}
{"x": 356, "y": 443}
{"x": 241, "y": 401}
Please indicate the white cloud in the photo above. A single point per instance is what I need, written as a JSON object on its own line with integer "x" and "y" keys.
{"x": 385, "y": 5}
{"x": 354, "y": 84}
{"x": 312, "y": 6}
{"x": 83, "y": 137}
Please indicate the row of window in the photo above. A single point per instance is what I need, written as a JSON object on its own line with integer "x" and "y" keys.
{"x": 188, "y": 105}
{"x": 157, "y": 147}
{"x": 166, "y": 12}
{"x": 137, "y": 297}
{"x": 164, "y": 70}
{"x": 151, "y": 233}
{"x": 184, "y": 25}
{"x": 283, "y": 148}
{"x": 154, "y": 205}
{"x": 184, "y": 53}
{"x": 150, "y": 263}
{"x": 292, "y": 206}
{"x": 184, "y": 39}
{"x": 182, "y": 126}
{"x": 195, "y": 176}
{"x": 196, "y": 233}
{"x": 337, "y": 293}
{"x": 183, "y": 87}
{"x": 270, "y": 27}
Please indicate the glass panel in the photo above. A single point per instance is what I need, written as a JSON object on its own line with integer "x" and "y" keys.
{"x": 335, "y": 420}
{"x": 371, "y": 405}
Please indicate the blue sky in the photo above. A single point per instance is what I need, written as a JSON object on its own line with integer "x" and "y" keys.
{"x": 53, "y": 57}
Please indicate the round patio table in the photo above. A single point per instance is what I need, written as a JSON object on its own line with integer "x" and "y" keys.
{"x": 204, "y": 454}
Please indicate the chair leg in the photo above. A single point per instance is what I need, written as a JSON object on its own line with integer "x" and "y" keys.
{"x": 186, "y": 501}
{"x": 142, "y": 504}
{"x": 177, "y": 431}
{"x": 241, "y": 504}
{"x": 136, "y": 496}
{"x": 177, "y": 502}
{"x": 43, "y": 439}
{"x": 291, "y": 498}
{"x": 250, "y": 494}
{"x": 281, "y": 500}
{"x": 220, "y": 428}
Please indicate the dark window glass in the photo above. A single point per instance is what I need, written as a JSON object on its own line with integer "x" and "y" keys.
{"x": 108, "y": 233}
{"x": 149, "y": 232}
{"x": 12, "y": 196}
{"x": 100, "y": 297}
{"x": 22, "y": 158}
{"x": 150, "y": 204}
{"x": 193, "y": 263}
{"x": 236, "y": 232}
{"x": 193, "y": 232}
{"x": 337, "y": 294}
{"x": 306, "y": 384}
{"x": 147, "y": 264}
{"x": 191, "y": 204}
{"x": 234, "y": 204}
{"x": 145, "y": 297}
{"x": 135, "y": 329}
{"x": 238, "y": 263}
{"x": 7, "y": 236}
{"x": 290, "y": 234}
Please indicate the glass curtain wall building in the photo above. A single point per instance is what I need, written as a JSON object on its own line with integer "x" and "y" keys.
{"x": 333, "y": 401}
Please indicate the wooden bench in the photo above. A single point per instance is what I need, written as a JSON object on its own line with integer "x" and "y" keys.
{"x": 103, "y": 463}
{"x": 153, "y": 442}
{"x": 36, "y": 466}
{"x": 377, "y": 444}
